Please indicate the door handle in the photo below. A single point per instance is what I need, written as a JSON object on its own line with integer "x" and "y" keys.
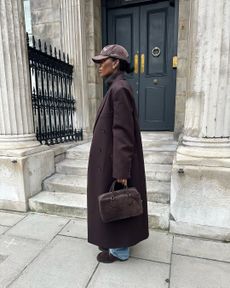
{"x": 174, "y": 62}
{"x": 142, "y": 63}
{"x": 136, "y": 57}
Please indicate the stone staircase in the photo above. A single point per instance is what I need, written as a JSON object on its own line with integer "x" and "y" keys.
{"x": 64, "y": 193}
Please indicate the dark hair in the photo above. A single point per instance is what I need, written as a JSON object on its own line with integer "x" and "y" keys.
{"x": 124, "y": 66}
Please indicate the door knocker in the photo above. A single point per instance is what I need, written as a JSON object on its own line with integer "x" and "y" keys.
{"x": 156, "y": 51}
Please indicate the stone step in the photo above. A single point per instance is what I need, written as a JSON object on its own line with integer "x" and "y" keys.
{"x": 59, "y": 203}
{"x": 75, "y": 205}
{"x": 158, "y": 157}
{"x": 158, "y": 186}
{"x": 72, "y": 167}
{"x": 157, "y": 151}
{"x": 158, "y": 197}
{"x": 75, "y": 154}
{"x": 150, "y": 156}
{"x": 165, "y": 136}
{"x": 79, "y": 152}
{"x": 158, "y": 172}
{"x": 66, "y": 183}
{"x": 158, "y": 215}
{"x": 163, "y": 146}
{"x": 158, "y": 191}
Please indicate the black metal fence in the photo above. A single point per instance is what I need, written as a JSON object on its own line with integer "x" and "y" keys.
{"x": 52, "y": 100}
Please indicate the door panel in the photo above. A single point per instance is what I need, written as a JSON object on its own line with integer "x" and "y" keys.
{"x": 153, "y": 95}
{"x": 156, "y": 102}
{"x": 148, "y": 31}
{"x": 123, "y": 29}
{"x": 156, "y": 25}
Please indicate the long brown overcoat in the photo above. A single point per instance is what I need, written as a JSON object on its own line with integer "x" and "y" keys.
{"x": 116, "y": 152}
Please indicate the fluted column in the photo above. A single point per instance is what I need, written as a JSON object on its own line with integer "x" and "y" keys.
{"x": 74, "y": 43}
{"x": 200, "y": 182}
{"x": 16, "y": 121}
{"x": 207, "y": 116}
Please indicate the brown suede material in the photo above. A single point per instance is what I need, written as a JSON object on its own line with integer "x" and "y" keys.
{"x": 120, "y": 204}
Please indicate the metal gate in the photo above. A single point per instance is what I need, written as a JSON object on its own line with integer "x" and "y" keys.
{"x": 52, "y": 101}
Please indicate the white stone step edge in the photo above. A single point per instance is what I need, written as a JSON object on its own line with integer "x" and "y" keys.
{"x": 151, "y": 157}
{"x": 160, "y": 172}
{"x": 75, "y": 205}
{"x": 59, "y": 203}
{"x": 158, "y": 135}
{"x": 81, "y": 163}
{"x": 71, "y": 181}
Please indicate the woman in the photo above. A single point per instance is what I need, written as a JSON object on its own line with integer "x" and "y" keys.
{"x": 115, "y": 154}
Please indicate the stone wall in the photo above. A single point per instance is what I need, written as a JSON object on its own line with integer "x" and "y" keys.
{"x": 182, "y": 70}
{"x": 46, "y": 23}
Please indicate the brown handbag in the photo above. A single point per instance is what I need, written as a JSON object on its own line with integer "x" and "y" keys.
{"x": 120, "y": 204}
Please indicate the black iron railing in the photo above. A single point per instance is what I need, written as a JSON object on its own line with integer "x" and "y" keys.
{"x": 52, "y": 101}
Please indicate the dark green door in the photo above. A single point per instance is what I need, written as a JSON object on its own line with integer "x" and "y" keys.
{"x": 147, "y": 32}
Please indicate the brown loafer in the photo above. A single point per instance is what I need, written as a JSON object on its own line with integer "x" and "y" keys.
{"x": 106, "y": 257}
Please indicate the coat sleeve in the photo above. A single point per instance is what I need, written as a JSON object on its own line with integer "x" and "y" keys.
{"x": 123, "y": 134}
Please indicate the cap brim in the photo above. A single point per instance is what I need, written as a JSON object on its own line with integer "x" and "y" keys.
{"x": 99, "y": 58}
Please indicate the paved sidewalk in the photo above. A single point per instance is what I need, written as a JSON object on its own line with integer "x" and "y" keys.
{"x": 45, "y": 251}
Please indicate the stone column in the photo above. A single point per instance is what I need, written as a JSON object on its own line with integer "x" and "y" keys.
{"x": 93, "y": 18}
{"x": 22, "y": 158}
{"x": 74, "y": 43}
{"x": 200, "y": 191}
{"x": 16, "y": 121}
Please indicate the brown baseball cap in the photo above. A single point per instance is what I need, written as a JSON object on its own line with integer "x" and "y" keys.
{"x": 114, "y": 50}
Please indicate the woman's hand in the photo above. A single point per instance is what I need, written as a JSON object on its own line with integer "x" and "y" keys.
{"x": 122, "y": 181}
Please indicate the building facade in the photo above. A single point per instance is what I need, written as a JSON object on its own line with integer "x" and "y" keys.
{"x": 180, "y": 52}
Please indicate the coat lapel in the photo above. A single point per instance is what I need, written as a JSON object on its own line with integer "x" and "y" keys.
{"x": 99, "y": 110}
{"x": 109, "y": 81}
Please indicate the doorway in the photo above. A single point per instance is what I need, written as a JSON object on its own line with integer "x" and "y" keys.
{"x": 147, "y": 30}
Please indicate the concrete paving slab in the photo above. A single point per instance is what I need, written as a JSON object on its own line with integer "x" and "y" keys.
{"x": 202, "y": 248}
{"x": 3, "y": 229}
{"x": 38, "y": 226}
{"x": 15, "y": 254}
{"x": 157, "y": 247}
{"x": 191, "y": 272}
{"x": 10, "y": 219}
{"x": 65, "y": 263}
{"x": 134, "y": 273}
{"x": 76, "y": 228}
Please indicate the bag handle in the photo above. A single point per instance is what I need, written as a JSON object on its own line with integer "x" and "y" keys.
{"x": 113, "y": 185}
{"x": 112, "y": 189}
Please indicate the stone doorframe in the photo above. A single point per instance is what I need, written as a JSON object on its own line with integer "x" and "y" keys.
{"x": 94, "y": 28}
{"x": 182, "y": 8}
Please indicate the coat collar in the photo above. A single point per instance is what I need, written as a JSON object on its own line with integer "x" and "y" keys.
{"x": 109, "y": 81}
{"x": 115, "y": 76}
